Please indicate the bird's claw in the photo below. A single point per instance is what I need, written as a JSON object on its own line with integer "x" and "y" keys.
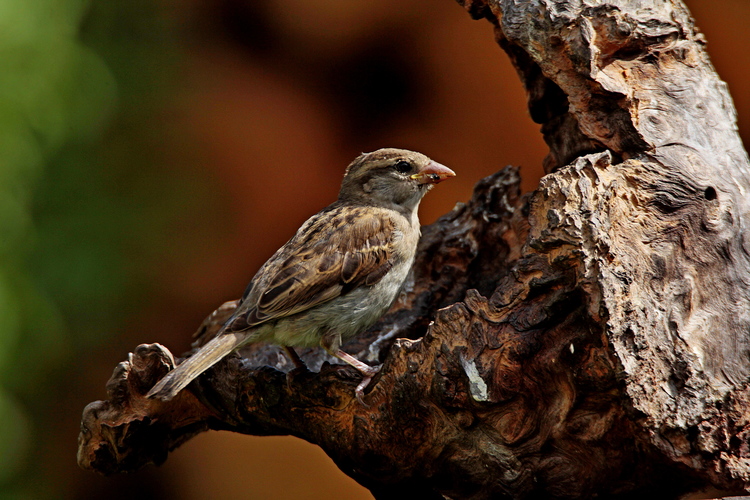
{"x": 367, "y": 376}
{"x": 367, "y": 371}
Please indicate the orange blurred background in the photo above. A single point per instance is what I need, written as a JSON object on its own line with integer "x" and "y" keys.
{"x": 261, "y": 105}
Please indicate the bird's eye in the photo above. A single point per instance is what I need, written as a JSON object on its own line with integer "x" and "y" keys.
{"x": 402, "y": 166}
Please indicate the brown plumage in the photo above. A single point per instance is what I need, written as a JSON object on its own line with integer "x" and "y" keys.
{"x": 337, "y": 250}
{"x": 337, "y": 275}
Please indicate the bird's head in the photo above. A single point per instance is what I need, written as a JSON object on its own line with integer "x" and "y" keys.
{"x": 389, "y": 177}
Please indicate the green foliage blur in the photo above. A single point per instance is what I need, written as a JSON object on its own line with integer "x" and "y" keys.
{"x": 84, "y": 203}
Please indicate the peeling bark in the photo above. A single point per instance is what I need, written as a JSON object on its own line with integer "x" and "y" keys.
{"x": 591, "y": 339}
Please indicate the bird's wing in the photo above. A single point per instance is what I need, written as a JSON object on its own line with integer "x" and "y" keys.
{"x": 333, "y": 252}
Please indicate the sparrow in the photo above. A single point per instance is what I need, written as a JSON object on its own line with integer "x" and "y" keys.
{"x": 339, "y": 273}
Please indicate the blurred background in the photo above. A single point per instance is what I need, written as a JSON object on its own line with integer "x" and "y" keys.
{"x": 154, "y": 153}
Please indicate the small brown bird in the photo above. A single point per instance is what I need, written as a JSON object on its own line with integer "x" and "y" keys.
{"x": 337, "y": 276}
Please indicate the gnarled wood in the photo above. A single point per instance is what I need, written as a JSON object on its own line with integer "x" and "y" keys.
{"x": 593, "y": 339}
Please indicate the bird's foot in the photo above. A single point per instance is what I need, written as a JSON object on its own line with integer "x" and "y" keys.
{"x": 294, "y": 357}
{"x": 367, "y": 375}
{"x": 299, "y": 366}
{"x": 367, "y": 371}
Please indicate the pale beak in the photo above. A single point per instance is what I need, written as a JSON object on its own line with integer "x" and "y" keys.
{"x": 433, "y": 173}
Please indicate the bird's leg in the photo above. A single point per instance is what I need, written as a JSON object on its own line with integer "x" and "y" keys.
{"x": 331, "y": 344}
{"x": 367, "y": 371}
{"x": 299, "y": 365}
{"x": 363, "y": 368}
{"x": 294, "y": 357}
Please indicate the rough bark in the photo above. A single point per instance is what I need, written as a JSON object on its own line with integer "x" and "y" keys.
{"x": 591, "y": 339}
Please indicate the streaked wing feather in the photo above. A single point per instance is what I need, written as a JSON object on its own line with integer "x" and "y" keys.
{"x": 309, "y": 271}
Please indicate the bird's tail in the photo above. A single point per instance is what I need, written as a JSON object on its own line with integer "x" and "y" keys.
{"x": 188, "y": 370}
